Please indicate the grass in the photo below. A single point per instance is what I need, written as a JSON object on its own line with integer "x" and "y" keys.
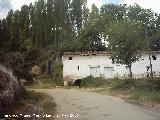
{"x": 143, "y": 90}
{"x": 91, "y": 82}
{"x": 145, "y": 96}
{"x": 45, "y": 82}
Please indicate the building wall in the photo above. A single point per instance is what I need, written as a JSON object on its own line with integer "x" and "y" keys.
{"x": 139, "y": 69}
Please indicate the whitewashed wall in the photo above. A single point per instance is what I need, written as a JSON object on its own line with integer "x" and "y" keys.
{"x": 71, "y": 72}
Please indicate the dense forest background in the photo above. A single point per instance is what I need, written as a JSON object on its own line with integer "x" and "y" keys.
{"x": 48, "y": 28}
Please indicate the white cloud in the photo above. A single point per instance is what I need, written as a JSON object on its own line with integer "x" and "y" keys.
{"x": 17, "y": 4}
{"x": 3, "y": 14}
{"x": 153, "y": 4}
{"x": 98, "y": 3}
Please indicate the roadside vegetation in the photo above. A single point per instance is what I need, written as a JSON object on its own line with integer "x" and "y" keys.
{"x": 145, "y": 90}
{"x": 45, "y": 82}
{"x": 31, "y": 103}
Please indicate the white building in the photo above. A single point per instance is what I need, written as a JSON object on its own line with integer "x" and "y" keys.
{"x": 77, "y": 65}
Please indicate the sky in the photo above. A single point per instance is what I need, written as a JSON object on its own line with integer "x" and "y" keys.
{"x": 6, "y": 5}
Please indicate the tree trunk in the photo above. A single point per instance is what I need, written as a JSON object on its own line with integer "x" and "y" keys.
{"x": 130, "y": 71}
{"x": 150, "y": 60}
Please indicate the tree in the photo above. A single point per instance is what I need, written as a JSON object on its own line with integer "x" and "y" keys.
{"x": 140, "y": 15}
{"x": 15, "y": 32}
{"x": 85, "y": 14}
{"x": 155, "y": 39}
{"x": 90, "y": 37}
{"x": 77, "y": 14}
{"x": 50, "y": 21}
{"x": 147, "y": 18}
{"x": 24, "y": 25}
{"x": 118, "y": 12}
{"x": 126, "y": 38}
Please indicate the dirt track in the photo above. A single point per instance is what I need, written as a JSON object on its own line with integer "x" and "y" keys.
{"x": 93, "y": 106}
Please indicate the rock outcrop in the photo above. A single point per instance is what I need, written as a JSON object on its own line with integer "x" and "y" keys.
{"x": 9, "y": 87}
{"x": 36, "y": 70}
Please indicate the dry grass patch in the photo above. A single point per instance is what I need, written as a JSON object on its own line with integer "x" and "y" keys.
{"x": 33, "y": 103}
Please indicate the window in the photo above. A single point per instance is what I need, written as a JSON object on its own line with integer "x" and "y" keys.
{"x": 70, "y": 58}
{"x": 154, "y": 57}
{"x": 148, "y": 67}
{"x": 113, "y": 62}
{"x": 78, "y": 67}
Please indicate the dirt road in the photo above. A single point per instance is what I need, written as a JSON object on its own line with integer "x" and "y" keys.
{"x": 93, "y": 106}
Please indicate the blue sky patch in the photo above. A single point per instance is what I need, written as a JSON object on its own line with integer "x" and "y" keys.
{"x": 112, "y": 1}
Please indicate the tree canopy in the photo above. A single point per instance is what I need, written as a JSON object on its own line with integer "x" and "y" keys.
{"x": 126, "y": 38}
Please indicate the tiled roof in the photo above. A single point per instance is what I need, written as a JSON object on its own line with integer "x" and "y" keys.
{"x": 91, "y": 53}
{"x": 147, "y": 52}
{"x": 87, "y": 53}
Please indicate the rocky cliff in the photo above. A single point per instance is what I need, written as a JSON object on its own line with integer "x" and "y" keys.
{"x": 9, "y": 87}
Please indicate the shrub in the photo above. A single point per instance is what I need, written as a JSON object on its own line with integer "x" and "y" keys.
{"x": 93, "y": 82}
{"x": 124, "y": 84}
{"x": 43, "y": 66}
{"x": 151, "y": 84}
{"x": 58, "y": 73}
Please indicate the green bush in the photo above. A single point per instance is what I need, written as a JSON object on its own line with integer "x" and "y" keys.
{"x": 124, "y": 84}
{"x": 58, "y": 73}
{"x": 155, "y": 97}
{"x": 150, "y": 84}
{"x": 94, "y": 82}
{"x": 43, "y": 66}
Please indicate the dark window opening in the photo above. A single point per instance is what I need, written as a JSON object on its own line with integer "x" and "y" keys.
{"x": 113, "y": 61}
{"x": 154, "y": 57}
{"x": 142, "y": 59}
{"x": 78, "y": 67}
{"x": 70, "y": 58}
{"x": 148, "y": 68}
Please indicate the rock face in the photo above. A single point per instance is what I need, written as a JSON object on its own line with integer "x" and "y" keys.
{"x": 36, "y": 70}
{"x": 9, "y": 87}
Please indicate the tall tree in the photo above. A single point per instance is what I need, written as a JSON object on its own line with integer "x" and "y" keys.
{"x": 90, "y": 37}
{"x": 50, "y": 21}
{"x": 85, "y": 14}
{"x": 15, "y": 31}
{"x": 118, "y": 12}
{"x": 24, "y": 24}
{"x": 77, "y": 14}
{"x": 125, "y": 39}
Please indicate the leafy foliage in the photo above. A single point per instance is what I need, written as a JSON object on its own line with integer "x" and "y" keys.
{"x": 58, "y": 74}
{"x": 93, "y": 82}
{"x": 126, "y": 38}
